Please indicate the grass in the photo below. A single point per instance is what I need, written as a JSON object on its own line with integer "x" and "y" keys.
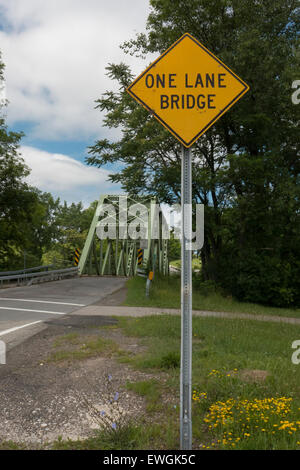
{"x": 246, "y": 391}
{"x": 196, "y": 263}
{"x": 142, "y": 436}
{"x": 234, "y": 406}
{"x": 165, "y": 293}
{"x": 11, "y": 445}
{"x": 79, "y": 348}
{"x": 71, "y": 338}
{"x": 150, "y": 390}
{"x": 126, "y": 438}
{"x": 136, "y": 432}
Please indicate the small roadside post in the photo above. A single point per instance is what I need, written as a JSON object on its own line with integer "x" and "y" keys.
{"x": 148, "y": 283}
{"x": 187, "y": 89}
{"x": 140, "y": 255}
{"x": 76, "y": 256}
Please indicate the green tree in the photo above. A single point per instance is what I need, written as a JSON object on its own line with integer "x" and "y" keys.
{"x": 26, "y": 214}
{"x": 259, "y": 40}
{"x": 71, "y": 225}
{"x": 174, "y": 247}
{"x": 14, "y": 194}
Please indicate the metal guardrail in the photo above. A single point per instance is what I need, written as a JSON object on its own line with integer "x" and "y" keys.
{"x": 26, "y": 270}
{"x": 38, "y": 277}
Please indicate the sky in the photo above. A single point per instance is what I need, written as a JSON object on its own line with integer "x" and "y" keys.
{"x": 55, "y": 53}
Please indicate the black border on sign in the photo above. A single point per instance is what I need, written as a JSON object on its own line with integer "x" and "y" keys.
{"x": 204, "y": 129}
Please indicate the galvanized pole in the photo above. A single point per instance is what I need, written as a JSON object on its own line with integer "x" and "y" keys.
{"x": 186, "y": 302}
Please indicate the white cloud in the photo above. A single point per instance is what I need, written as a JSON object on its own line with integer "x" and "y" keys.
{"x": 56, "y": 52}
{"x": 65, "y": 177}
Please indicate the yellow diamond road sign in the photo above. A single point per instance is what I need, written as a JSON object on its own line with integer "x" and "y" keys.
{"x": 187, "y": 89}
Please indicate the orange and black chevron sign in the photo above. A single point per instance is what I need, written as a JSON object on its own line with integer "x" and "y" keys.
{"x": 140, "y": 256}
{"x": 76, "y": 257}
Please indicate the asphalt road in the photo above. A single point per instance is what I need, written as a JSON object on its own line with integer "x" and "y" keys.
{"x": 24, "y": 309}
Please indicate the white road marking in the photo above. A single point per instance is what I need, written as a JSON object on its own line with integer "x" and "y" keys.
{"x": 43, "y": 301}
{"x": 29, "y": 310}
{"x": 11, "y": 330}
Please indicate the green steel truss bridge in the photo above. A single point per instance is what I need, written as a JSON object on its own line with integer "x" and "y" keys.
{"x": 120, "y": 255}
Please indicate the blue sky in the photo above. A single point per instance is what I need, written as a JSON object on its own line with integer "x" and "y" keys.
{"x": 55, "y": 52}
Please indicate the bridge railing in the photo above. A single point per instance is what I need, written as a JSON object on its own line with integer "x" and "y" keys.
{"x": 32, "y": 277}
{"x": 26, "y": 270}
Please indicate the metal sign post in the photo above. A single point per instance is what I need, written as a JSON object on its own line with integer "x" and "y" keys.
{"x": 186, "y": 302}
{"x": 187, "y": 89}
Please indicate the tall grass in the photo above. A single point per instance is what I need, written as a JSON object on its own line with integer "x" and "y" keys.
{"x": 246, "y": 391}
{"x": 165, "y": 293}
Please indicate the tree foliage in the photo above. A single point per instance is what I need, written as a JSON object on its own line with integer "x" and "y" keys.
{"x": 246, "y": 166}
{"x": 33, "y": 225}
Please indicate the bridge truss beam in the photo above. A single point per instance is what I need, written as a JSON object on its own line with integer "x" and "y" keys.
{"x": 118, "y": 255}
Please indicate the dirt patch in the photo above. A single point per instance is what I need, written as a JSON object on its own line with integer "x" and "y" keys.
{"x": 115, "y": 299}
{"x": 43, "y": 400}
{"x": 126, "y": 343}
{"x": 254, "y": 375}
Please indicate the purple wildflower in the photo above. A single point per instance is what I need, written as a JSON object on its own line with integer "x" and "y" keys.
{"x": 116, "y": 396}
